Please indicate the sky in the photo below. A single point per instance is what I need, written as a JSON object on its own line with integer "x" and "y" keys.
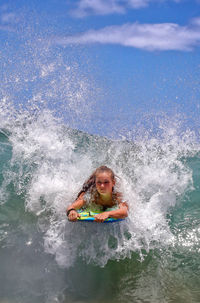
{"x": 103, "y": 66}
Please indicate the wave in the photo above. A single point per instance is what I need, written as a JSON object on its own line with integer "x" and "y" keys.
{"x": 47, "y": 163}
{"x": 43, "y": 166}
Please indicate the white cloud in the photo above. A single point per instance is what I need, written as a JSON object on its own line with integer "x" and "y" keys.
{"x": 138, "y": 3}
{"x": 105, "y": 7}
{"x": 6, "y": 28}
{"x": 151, "y": 37}
{"x": 8, "y": 18}
{"x": 196, "y": 21}
{"x": 97, "y": 7}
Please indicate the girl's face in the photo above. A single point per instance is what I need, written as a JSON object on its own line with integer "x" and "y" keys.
{"x": 104, "y": 183}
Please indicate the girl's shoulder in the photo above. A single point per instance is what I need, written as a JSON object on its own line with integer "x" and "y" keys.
{"x": 118, "y": 196}
{"x": 120, "y": 199}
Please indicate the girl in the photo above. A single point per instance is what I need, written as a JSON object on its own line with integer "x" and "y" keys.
{"x": 98, "y": 192}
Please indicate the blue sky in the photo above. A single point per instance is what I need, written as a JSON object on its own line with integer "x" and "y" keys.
{"x": 104, "y": 66}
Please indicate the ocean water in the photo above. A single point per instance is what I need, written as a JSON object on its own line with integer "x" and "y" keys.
{"x": 153, "y": 256}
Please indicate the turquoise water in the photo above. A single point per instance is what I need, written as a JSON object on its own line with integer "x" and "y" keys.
{"x": 151, "y": 257}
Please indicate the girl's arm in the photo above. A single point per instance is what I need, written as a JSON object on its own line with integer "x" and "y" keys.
{"x": 71, "y": 209}
{"x": 120, "y": 213}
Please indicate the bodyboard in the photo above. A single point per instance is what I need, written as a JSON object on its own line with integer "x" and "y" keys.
{"x": 89, "y": 216}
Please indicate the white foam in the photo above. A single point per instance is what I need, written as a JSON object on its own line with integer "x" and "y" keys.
{"x": 49, "y": 165}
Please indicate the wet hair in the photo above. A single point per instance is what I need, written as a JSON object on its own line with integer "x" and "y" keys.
{"x": 90, "y": 183}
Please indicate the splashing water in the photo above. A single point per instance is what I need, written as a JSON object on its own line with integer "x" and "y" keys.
{"x": 153, "y": 254}
{"x": 49, "y": 163}
{"x": 44, "y": 166}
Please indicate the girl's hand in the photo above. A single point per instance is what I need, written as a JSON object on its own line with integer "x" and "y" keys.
{"x": 73, "y": 215}
{"x": 101, "y": 217}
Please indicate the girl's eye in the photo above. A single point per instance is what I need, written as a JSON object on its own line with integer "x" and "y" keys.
{"x": 106, "y": 182}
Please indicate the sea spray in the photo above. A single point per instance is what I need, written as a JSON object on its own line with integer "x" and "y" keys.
{"x": 49, "y": 164}
{"x": 43, "y": 166}
{"x": 46, "y": 98}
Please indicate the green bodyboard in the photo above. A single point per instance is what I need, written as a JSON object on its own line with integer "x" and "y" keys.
{"x": 89, "y": 216}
